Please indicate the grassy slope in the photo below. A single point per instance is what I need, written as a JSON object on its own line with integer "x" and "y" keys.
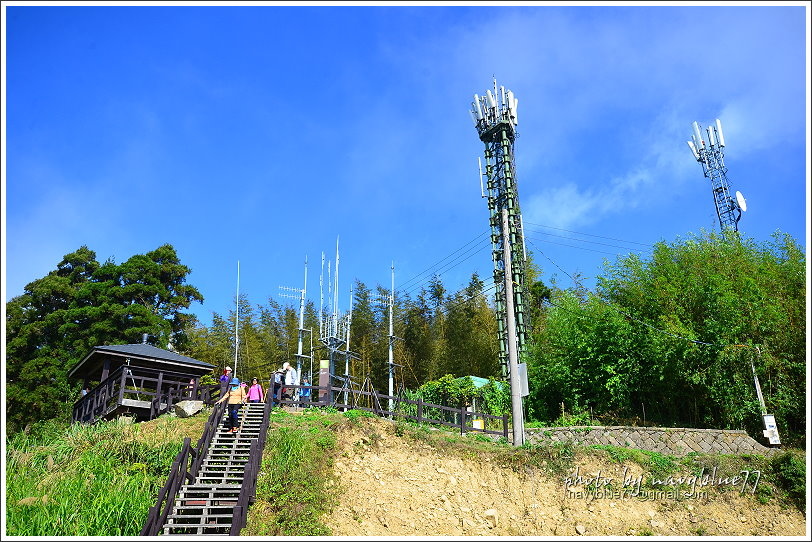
{"x": 97, "y": 480}
{"x": 101, "y": 480}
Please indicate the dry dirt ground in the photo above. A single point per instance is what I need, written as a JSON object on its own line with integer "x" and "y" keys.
{"x": 393, "y": 486}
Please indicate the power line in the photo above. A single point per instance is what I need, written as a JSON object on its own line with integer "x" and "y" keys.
{"x": 443, "y": 259}
{"x": 467, "y": 253}
{"x": 585, "y": 240}
{"x": 577, "y": 247}
{"x": 482, "y": 291}
{"x": 622, "y": 313}
{"x": 590, "y": 234}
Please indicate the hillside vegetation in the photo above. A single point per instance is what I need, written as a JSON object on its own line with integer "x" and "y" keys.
{"x": 325, "y": 472}
{"x": 671, "y": 339}
{"x": 90, "y": 480}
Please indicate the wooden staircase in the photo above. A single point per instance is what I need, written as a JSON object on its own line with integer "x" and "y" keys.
{"x": 206, "y": 506}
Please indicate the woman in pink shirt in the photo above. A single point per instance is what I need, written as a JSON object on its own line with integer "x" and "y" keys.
{"x": 255, "y": 394}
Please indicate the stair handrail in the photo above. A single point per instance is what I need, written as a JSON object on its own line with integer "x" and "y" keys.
{"x": 157, "y": 515}
{"x": 249, "y": 486}
{"x": 199, "y": 451}
{"x": 180, "y": 472}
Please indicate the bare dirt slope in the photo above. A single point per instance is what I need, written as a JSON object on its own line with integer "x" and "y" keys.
{"x": 405, "y": 487}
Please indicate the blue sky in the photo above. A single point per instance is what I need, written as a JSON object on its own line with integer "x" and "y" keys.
{"x": 263, "y": 133}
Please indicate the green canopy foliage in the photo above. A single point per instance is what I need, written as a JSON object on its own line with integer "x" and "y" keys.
{"x": 672, "y": 339}
{"x": 82, "y": 304}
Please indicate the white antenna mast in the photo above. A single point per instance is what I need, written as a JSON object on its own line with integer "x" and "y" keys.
{"x": 301, "y": 326}
{"x": 237, "y": 323}
{"x": 329, "y": 323}
{"x": 302, "y": 293}
{"x": 335, "y": 294}
{"x": 321, "y": 297}
{"x": 347, "y": 345}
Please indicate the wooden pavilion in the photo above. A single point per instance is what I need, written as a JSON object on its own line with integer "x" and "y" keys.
{"x": 137, "y": 379}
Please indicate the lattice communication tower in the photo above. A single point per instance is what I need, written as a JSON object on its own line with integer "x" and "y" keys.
{"x": 495, "y": 118}
{"x": 334, "y": 327}
{"x": 708, "y": 149}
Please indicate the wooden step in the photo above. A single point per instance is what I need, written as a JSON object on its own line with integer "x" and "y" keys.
{"x": 205, "y": 507}
{"x": 215, "y": 462}
{"x": 209, "y": 493}
{"x": 187, "y": 518}
{"x": 205, "y": 503}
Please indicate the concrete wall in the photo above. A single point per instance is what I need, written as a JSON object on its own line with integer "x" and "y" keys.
{"x": 666, "y": 440}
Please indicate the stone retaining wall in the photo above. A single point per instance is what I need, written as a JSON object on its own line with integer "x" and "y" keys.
{"x": 666, "y": 440}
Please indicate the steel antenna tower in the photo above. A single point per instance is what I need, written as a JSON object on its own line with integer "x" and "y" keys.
{"x": 302, "y": 293}
{"x": 495, "y": 119}
{"x": 334, "y": 330}
{"x": 708, "y": 149}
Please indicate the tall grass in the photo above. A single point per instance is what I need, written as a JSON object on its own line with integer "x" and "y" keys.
{"x": 87, "y": 480}
{"x": 295, "y": 485}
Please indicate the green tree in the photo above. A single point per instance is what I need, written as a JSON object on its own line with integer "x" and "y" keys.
{"x": 417, "y": 341}
{"x": 471, "y": 333}
{"x": 362, "y": 336}
{"x": 59, "y": 318}
{"x": 672, "y": 338}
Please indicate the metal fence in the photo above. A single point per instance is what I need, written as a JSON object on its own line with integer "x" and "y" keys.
{"x": 416, "y": 410}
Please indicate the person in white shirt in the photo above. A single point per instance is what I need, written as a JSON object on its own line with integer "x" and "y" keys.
{"x": 291, "y": 379}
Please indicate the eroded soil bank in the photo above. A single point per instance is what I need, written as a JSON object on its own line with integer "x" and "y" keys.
{"x": 397, "y": 486}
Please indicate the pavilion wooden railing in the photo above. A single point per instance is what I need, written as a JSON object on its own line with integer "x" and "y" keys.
{"x": 165, "y": 401}
{"x": 140, "y": 384}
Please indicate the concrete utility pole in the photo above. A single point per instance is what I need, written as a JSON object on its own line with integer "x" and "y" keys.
{"x": 513, "y": 356}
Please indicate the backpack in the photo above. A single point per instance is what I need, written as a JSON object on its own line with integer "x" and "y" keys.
{"x": 277, "y": 377}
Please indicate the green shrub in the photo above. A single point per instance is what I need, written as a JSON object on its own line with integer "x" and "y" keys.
{"x": 355, "y": 413}
{"x": 789, "y": 474}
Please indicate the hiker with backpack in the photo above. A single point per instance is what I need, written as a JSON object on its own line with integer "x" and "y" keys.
{"x": 236, "y": 397}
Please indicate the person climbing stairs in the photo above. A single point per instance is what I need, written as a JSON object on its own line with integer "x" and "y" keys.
{"x": 206, "y": 506}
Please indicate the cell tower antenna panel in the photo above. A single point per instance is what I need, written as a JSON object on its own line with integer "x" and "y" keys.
{"x": 481, "y": 184}
{"x": 711, "y": 138}
{"x": 719, "y": 133}
{"x": 693, "y": 150}
{"x": 698, "y": 136}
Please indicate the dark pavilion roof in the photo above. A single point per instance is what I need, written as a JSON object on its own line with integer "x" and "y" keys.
{"x": 143, "y": 355}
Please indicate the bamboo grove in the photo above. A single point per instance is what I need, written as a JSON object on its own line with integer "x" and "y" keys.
{"x": 671, "y": 339}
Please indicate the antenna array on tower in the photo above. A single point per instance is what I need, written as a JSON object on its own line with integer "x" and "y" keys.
{"x": 495, "y": 118}
{"x": 707, "y": 147}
